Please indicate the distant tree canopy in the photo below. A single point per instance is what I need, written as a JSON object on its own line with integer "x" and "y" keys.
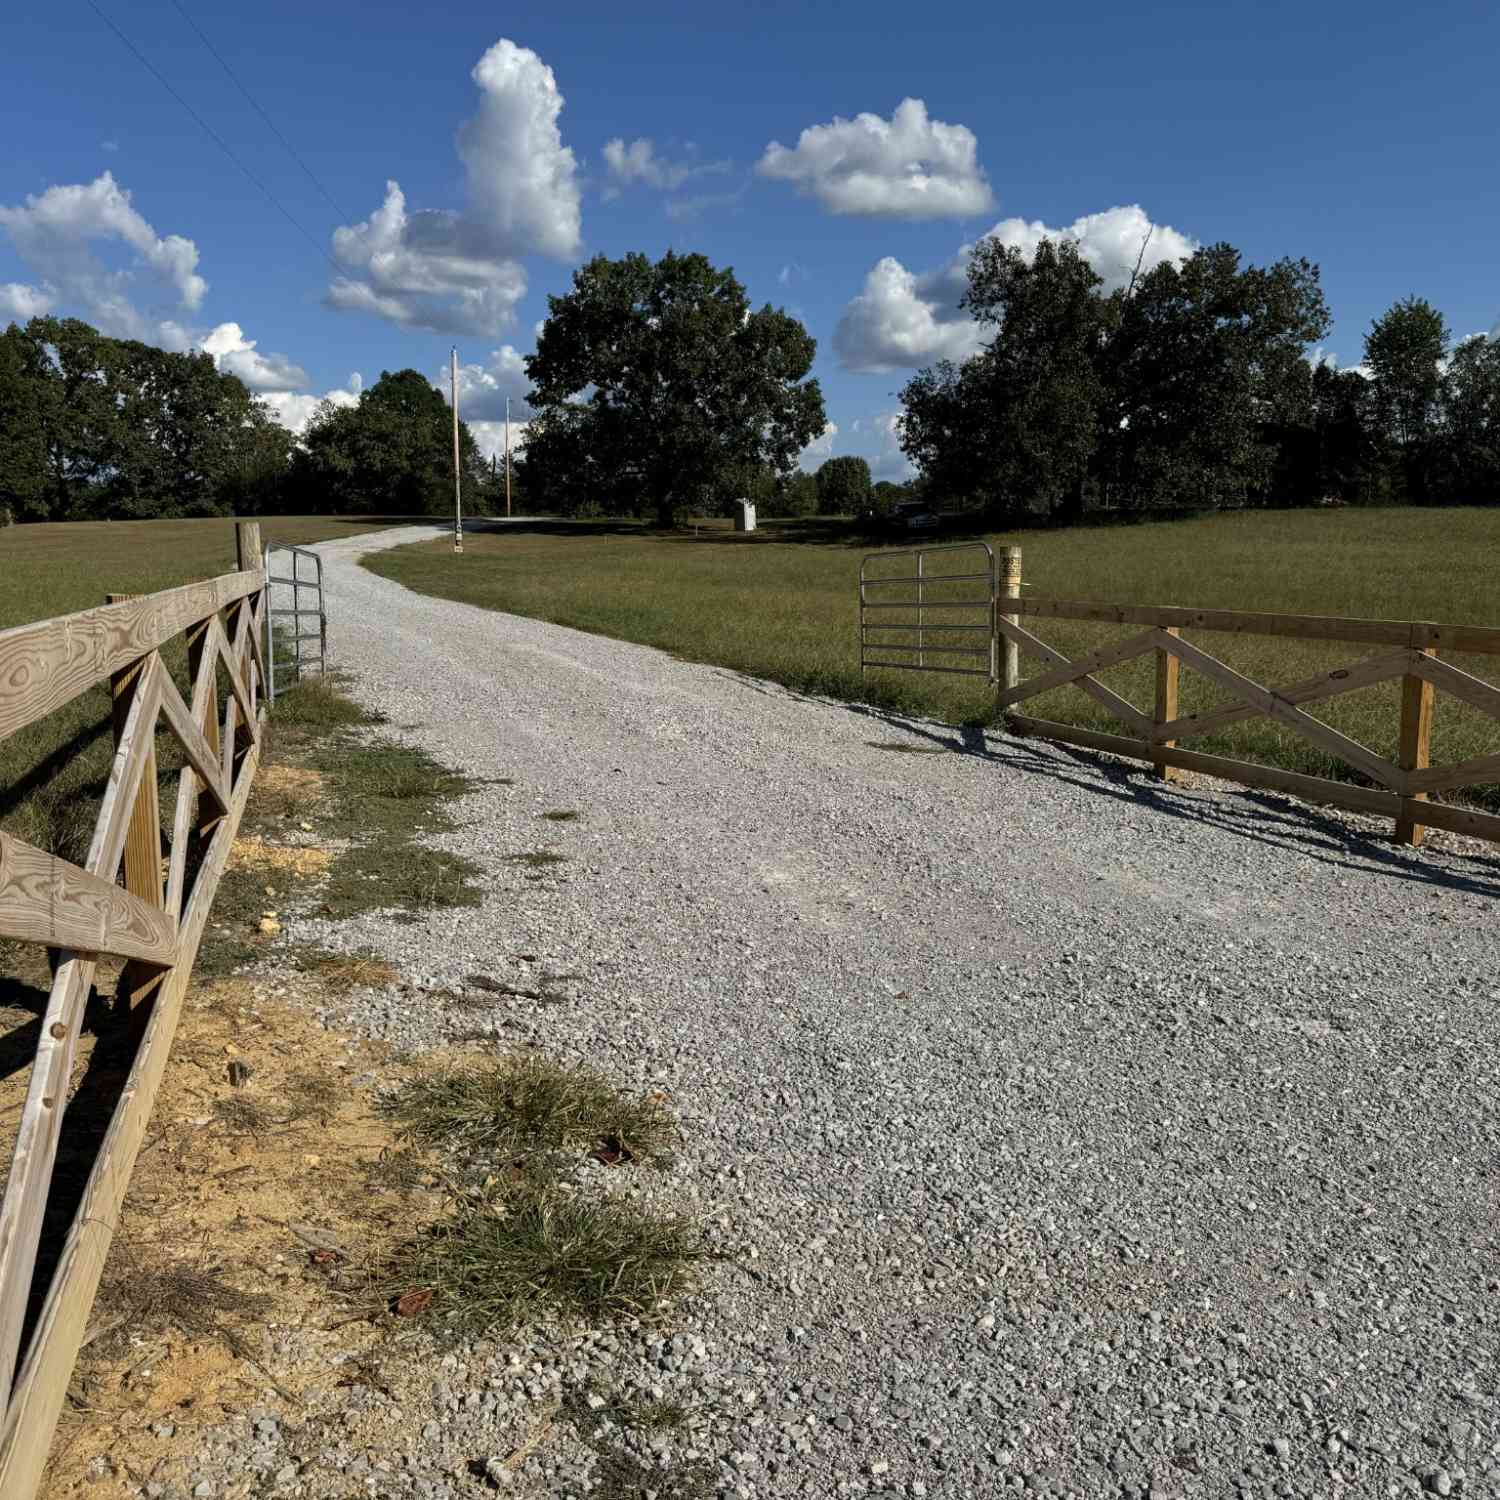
{"x": 390, "y": 453}
{"x": 843, "y": 486}
{"x": 1195, "y": 387}
{"x": 655, "y": 384}
{"x": 94, "y": 427}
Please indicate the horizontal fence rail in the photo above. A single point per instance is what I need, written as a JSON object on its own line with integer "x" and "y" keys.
{"x": 120, "y": 903}
{"x": 1400, "y": 789}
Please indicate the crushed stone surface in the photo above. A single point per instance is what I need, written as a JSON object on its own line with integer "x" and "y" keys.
{"x": 1073, "y": 1134}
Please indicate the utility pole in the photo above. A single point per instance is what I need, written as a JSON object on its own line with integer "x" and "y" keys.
{"x": 507, "y": 455}
{"x": 458, "y": 499}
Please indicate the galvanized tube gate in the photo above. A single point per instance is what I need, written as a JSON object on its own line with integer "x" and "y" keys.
{"x": 293, "y": 637}
{"x": 916, "y": 594}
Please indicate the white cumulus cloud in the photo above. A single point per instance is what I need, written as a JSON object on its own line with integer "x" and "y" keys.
{"x": 57, "y": 234}
{"x": 907, "y": 167}
{"x": 460, "y": 272}
{"x": 820, "y": 450}
{"x": 295, "y": 409}
{"x": 640, "y": 162}
{"x": 22, "y": 302}
{"x": 483, "y": 388}
{"x": 234, "y": 354}
{"x": 903, "y": 320}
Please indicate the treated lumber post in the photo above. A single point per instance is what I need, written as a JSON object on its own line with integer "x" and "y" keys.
{"x": 1010, "y": 588}
{"x": 143, "y": 856}
{"x": 1416, "y": 735}
{"x": 1167, "y": 667}
{"x": 250, "y": 557}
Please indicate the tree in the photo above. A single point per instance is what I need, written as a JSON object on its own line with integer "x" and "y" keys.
{"x": 796, "y": 495}
{"x": 652, "y": 381}
{"x": 28, "y": 407}
{"x": 1173, "y": 391}
{"x": 887, "y": 495}
{"x": 1205, "y": 365}
{"x": 97, "y": 427}
{"x": 843, "y": 486}
{"x": 391, "y": 452}
{"x": 1467, "y": 468}
{"x": 1404, "y": 353}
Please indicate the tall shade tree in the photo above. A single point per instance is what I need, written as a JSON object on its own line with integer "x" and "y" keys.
{"x": 843, "y": 485}
{"x": 1467, "y": 469}
{"x": 1169, "y": 392}
{"x": 654, "y": 380}
{"x": 1404, "y": 352}
{"x": 391, "y": 452}
{"x": 95, "y": 427}
{"x": 1205, "y": 364}
{"x": 1017, "y": 426}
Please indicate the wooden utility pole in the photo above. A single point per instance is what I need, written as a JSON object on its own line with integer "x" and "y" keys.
{"x": 507, "y": 455}
{"x": 458, "y": 499}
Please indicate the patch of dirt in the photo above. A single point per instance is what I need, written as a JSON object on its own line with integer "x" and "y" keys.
{"x": 244, "y": 1260}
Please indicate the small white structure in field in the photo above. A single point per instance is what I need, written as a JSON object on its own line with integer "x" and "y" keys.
{"x": 745, "y": 520}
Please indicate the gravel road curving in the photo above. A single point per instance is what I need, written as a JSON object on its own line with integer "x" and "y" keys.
{"x": 1078, "y": 1134}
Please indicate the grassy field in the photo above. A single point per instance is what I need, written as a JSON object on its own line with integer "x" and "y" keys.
{"x": 782, "y": 604}
{"x": 53, "y": 772}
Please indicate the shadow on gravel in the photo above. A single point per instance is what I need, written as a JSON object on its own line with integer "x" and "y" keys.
{"x": 1308, "y": 831}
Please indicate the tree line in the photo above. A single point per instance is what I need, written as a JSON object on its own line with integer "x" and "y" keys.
{"x": 96, "y": 428}
{"x": 1196, "y": 386}
{"x": 658, "y": 390}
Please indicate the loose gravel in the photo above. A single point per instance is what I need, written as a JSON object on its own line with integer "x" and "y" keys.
{"x": 1073, "y": 1134}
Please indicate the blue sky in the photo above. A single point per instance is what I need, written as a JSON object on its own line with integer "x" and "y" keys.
{"x": 1364, "y": 137}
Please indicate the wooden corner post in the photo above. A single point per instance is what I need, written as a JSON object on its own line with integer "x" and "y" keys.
{"x": 1167, "y": 666}
{"x": 1416, "y": 736}
{"x": 1010, "y": 588}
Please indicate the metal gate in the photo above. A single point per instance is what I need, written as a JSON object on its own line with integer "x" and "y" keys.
{"x": 963, "y": 603}
{"x": 288, "y": 667}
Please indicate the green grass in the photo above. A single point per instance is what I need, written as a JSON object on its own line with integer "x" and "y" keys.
{"x": 527, "y": 1106}
{"x": 540, "y": 1253}
{"x": 532, "y": 1242}
{"x": 52, "y": 773}
{"x": 786, "y": 609}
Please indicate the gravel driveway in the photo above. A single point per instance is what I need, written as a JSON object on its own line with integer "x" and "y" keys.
{"x": 1076, "y": 1133}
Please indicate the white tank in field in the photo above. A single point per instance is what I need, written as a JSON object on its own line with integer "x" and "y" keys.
{"x": 745, "y": 517}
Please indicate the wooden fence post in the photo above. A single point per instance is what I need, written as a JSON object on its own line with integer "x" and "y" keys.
{"x": 1167, "y": 666}
{"x": 143, "y": 855}
{"x": 1416, "y": 735}
{"x": 1010, "y": 588}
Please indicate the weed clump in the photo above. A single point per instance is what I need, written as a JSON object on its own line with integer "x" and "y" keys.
{"x": 528, "y": 1105}
{"x": 535, "y": 1251}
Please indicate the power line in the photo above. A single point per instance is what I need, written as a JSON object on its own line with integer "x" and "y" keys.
{"x": 217, "y": 139}
{"x": 291, "y": 150}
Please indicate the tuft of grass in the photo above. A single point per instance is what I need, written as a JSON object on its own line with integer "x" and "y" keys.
{"x": 152, "y": 1297}
{"x": 563, "y": 815}
{"x": 242, "y": 1116}
{"x": 347, "y": 970}
{"x": 317, "y": 703}
{"x": 528, "y": 1105}
{"x": 538, "y": 1252}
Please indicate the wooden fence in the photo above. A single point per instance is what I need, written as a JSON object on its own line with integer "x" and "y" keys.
{"x": 1410, "y": 653}
{"x": 119, "y": 904}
